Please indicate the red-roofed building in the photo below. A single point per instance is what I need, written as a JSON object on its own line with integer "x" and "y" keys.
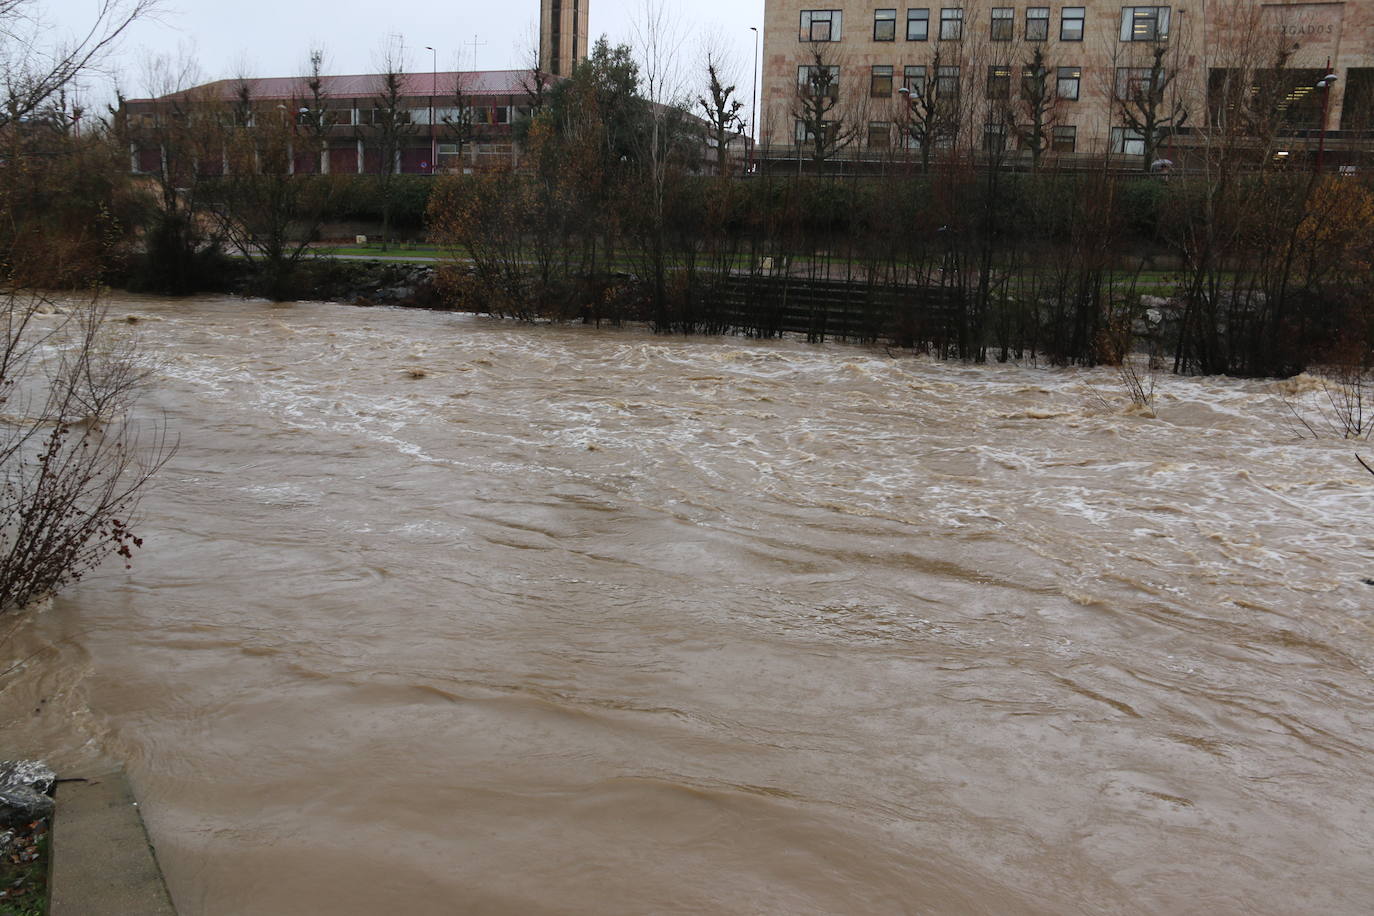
{"x": 451, "y": 121}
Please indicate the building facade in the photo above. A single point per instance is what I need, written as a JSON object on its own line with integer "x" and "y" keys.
{"x": 445, "y": 122}
{"x": 1083, "y": 65}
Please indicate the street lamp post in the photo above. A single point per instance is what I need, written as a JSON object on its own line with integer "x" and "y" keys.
{"x": 905, "y": 93}
{"x": 1324, "y": 84}
{"x": 433, "y": 91}
{"x": 753, "y": 104}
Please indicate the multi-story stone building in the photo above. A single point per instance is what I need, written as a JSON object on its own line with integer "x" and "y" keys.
{"x": 1090, "y": 60}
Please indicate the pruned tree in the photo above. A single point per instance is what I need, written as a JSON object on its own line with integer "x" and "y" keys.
{"x": 313, "y": 115}
{"x": 460, "y": 126}
{"x": 932, "y": 111}
{"x": 722, "y": 109}
{"x": 389, "y": 124}
{"x": 1035, "y": 111}
{"x": 824, "y": 125}
{"x": 535, "y": 81}
{"x": 1146, "y": 98}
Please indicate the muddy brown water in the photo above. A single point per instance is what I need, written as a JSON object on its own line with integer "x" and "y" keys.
{"x": 438, "y": 614}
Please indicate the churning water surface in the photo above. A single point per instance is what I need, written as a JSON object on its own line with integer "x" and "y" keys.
{"x": 440, "y": 614}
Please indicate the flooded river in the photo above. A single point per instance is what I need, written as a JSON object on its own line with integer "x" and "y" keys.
{"x": 438, "y": 614}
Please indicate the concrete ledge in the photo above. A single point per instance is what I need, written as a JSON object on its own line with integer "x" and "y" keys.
{"x": 102, "y": 862}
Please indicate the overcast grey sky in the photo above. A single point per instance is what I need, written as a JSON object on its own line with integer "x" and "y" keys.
{"x": 273, "y": 37}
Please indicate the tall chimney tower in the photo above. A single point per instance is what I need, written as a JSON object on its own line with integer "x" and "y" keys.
{"x": 562, "y": 35}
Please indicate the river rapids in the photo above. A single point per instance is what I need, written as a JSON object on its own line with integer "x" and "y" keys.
{"x": 442, "y": 614}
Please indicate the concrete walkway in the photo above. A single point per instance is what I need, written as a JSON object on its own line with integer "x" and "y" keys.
{"x": 103, "y": 864}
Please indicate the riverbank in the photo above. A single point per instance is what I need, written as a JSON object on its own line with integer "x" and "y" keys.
{"x": 352, "y": 280}
{"x": 85, "y": 852}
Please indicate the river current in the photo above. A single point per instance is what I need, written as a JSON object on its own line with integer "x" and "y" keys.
{"x": 441, "y": 614}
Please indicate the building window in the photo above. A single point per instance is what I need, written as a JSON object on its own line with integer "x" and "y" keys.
{"x": 1133, "y": 82}
{"x": 1070, "y": 79}
{"x": 914, "y": 79}
{"x": 947, "y": 82}
{"x": 917, "y": 25}
{"x": 1144, "y": 23}
{"x": 806, "y": 135}
{"x": 1064, "y": 139}
{"x": 880, "y": 83}
{"x": 821, "y": 25}
{"x": 999, "y": 82}
{"x": 380, "y": 117}
{"x": 1071, "y": 24}
{"x": 819, "y": 81}
{"x": 879, "y": 134}
{"x": 951, "y": 24}
{"x": 1128, "y": 142}
{"x": 1003, "y": 23}
{"x": 884, "y": 25}
{"x": 1033, "y": 83}
{"x": 1038, "y": 23}
{"x": 1357, "y": 113}
{"x": 994, "y": 137}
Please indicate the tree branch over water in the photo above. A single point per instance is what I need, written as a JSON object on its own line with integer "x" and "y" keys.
{"x": 72, "y": 460}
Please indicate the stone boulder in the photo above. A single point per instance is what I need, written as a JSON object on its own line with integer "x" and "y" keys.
{"x": 24, "y": 785}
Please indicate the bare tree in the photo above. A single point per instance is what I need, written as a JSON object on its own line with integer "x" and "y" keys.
{"x": 932, "y": 105}
{"x": 534, "y": 79}
{"x": 389, "y": 124}
{"x": 657, "y": 39}
{"x": 1035, "y": 112}
{"x": 313, "y": 115}
{"x": 268, "y": 214}
{"x": 824, "y": 125}
{"x": 1146, "y": 89}
{"x": 460, "y": 127}
{"x": 722, "y": 109}
{"x": 34, "y": 74}
{"x": 181, "y": 127}
{"x": 72, "y": 463}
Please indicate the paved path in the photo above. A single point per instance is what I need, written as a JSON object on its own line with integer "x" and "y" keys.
{"x": 103, "y": 864}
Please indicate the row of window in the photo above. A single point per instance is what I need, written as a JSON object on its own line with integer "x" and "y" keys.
{"x": 1138, "y": 23}
{"x": 361, "y": 117}
{"x": 499, "y": 114}
{"x": 1131, "y": 82}
{"x": 1067, "y": 81}
{"x": 1063, "y": 138}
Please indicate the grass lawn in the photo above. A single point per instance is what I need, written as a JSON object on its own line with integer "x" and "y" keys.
{"x": 375, "y": 251}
